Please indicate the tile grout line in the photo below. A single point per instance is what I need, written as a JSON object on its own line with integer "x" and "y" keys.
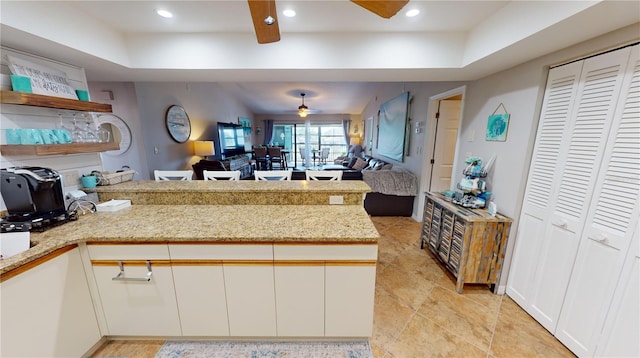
{"x": 495, "y": 325}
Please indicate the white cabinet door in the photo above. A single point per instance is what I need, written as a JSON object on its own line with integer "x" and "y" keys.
{"x": 146, "y": 308}
{"x": 300, "y": 299}
{"x": 47, "y": 311}
{"x": 202, "y": 304}
{"x": 349, "y": 296}
{"x": 138, "y": 308}
{"x": 609, "y": 226}
{"x": 250, "y": 298}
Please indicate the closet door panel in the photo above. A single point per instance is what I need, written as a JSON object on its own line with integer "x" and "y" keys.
{"x": 560, "y": 94}
{"x": 580, "y": 159}
{"x": 609, "y": 226}
{"x": 622, "y": 327}
{"x": 530, "y": 232}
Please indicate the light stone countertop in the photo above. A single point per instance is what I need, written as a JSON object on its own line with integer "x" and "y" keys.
{"x": 355, "y": 186}
{"x": 346, "y": 224}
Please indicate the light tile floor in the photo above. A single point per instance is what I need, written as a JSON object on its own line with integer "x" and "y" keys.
{"x": 419, "y": 314}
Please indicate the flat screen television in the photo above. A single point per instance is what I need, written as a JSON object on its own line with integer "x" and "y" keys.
{"x": 231, "y": 139}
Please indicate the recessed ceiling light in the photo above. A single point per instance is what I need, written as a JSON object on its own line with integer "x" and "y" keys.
{"x": 412, "y": 12}
{"x": 164, "y": 13}
{"x": 289, "y": 13}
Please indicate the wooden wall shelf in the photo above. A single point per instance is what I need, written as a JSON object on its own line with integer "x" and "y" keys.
{"x": 38, "y": 100}
{"x": 53, "y": 149}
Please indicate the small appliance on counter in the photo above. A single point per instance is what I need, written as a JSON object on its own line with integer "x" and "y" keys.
{"x": 34, "y": 199}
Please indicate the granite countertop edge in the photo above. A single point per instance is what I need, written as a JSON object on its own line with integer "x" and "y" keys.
{"x": 359, "y": 230}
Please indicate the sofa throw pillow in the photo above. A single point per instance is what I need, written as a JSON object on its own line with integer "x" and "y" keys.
{"x": 387, "y": 167}
{"x": 360, "y": 164}
{"x": 352, "y": 162}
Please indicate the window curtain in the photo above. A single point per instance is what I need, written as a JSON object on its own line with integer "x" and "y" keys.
{"x": 345, "y": 125}
{"x": 268, "y": 131}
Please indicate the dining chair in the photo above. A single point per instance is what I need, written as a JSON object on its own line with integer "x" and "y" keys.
{"x": 173, "y": 175}
{"x": 223, "y": 175}
{"x": 303, "y": 156}
{"x": 272, "y": 175}
{"x": 324, "y": 155}
{"x": 275, "y": 156}
{"x": 332, "y": 175}
{"x": 260, "y": 156}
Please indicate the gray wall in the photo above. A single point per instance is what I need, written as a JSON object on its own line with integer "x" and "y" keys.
{"x": 205, "y": 104}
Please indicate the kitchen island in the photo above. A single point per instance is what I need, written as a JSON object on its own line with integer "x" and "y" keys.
{"x": 242, "y": 192}
{"x": 205, "y": 271}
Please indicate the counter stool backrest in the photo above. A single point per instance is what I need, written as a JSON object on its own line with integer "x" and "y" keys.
{"x": 221, "y": 175}
{"x": 272, "y": 175}
{"x": 334, "y": 175}
{"x": 173, "y": 175}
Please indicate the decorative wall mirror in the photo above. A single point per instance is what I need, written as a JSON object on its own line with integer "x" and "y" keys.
{"x": 119, "y": 132}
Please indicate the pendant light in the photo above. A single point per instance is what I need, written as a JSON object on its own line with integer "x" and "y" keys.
{"x": 302, "y": 109}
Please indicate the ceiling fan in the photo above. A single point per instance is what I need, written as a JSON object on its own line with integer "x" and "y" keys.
{"x": 265, "y": 16}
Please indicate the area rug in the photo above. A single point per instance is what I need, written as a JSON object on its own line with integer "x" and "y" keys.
{"x": 288, "y": 349}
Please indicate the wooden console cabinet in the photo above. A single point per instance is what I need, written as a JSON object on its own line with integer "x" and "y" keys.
{"x": 470, "y": 242}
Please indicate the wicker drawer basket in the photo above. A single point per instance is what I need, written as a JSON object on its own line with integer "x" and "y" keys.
{"x": 110, "y": 178}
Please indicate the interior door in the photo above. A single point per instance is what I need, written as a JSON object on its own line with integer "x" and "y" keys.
{"x": 609, "y": 225}
{"x": 445, "y": 145}
{"x": 559, "y": 98}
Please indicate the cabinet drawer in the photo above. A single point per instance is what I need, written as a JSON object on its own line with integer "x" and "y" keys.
{"x": 221, "y": 252}
{"x": 128, "y": 252}
{"x": 325, "y": 252}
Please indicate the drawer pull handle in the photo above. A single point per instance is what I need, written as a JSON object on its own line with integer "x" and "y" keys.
{"x": 121, "y": 277}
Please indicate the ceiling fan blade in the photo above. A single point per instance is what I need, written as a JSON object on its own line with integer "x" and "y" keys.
{"x": 260, "y": 9}
{"x": 384, "y": 9}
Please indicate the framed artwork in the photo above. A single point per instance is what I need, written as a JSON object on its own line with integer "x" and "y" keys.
{"x": 392, "y": 127}
{"x": 178, "y": 124}
{"x": 246, "y": 126}
{"x": 497, "y": 126}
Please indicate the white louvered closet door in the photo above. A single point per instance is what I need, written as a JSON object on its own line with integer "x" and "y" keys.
{"x": 560, "y": 94}
{"x": 610, "y": 224}
{"x": 548, "y": 247}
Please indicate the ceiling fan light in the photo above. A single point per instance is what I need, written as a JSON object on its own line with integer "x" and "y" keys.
{"x": 302, "y": 109}
{"x": 269, "y": 20}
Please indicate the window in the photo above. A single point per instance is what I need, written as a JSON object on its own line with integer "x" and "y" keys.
{"x": 293, "y": 137}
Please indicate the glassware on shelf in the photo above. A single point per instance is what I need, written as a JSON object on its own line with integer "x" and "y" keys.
{"x": 90, "y": 135}
{"x": 77, "y": 133}
{"x": 103, "y": 134}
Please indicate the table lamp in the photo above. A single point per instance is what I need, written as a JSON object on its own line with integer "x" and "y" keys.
{"x": 203, "y": 148}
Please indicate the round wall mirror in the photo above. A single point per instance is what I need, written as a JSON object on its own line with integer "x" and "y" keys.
{"x": 118, "y": 130}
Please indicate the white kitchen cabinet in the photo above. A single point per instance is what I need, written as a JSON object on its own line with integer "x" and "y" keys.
{"x": 47, "y": 310}
{"x": 136, "y": 307}
{"x": 248, "y": 284}
{"x": 349, "y": 299}
{"x": 325, "y": 286}
{"x": 199, "y": 282}
{"x": 250, "y": 298}
{"x": 299, "y": 292}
